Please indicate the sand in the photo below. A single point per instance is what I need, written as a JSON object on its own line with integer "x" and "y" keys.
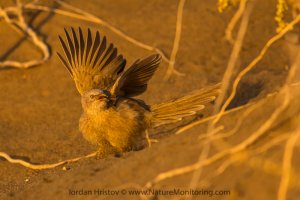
{"x": 40, "y": 106}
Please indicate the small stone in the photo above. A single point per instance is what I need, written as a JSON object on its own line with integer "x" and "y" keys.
{"x": 65, "y": 168}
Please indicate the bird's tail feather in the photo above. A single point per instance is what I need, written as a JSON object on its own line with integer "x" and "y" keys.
{"x": 176, "y": 109}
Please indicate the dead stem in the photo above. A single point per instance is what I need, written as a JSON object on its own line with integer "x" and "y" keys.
{"x": 20, "y": 24}
{"x": 171, "y": 69}
{"x": 246, "y": 156}
{"x": 211, "y": 137}
{"x": 207, "y": 119}
{"x": 231, "y": 25}
{"x": 42, "y": 166}
{"x": 287, "y": 164}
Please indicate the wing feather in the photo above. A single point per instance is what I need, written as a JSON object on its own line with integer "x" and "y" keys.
{"x": 81, "y": 46}
{"x": 89, "y": 61}
{"x": 76, "y": 45}
{"x": 134, "y": 81}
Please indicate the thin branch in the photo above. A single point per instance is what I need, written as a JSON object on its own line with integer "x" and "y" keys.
{"x": 231, "y": 25}
{"x": 211, "y": 137}
{"x": 246, "y": 156}
{"x": 207, "y": 119}
{"x": 287, "y": 164}
{"x": 171, "y": 69}
{"x": 20, "y": 24}
{"x": 44, "y": 166}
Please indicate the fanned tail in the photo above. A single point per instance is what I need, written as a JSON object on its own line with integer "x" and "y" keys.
{"x": 175, "y": 110}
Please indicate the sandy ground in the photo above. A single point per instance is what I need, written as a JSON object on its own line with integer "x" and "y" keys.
{"x": 40, "y": 107}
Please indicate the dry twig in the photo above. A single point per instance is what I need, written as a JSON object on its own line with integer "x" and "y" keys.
{"x": 44, "y": 166}
{"x": 211, "y": 137}
{"x": 246, "y": 156}
{"x": 171, "y": 69}
{"x": 231, "y": 25}
{"x": 20, "y": 24}
{"x": 287, "y": 164}
{"x": 207, "y": 119}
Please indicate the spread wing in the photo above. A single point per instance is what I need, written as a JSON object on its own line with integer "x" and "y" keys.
{"x": 92, "y": 63}
{"x": 134, "y": 81}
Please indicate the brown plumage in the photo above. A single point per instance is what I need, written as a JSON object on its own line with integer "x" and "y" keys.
{"x": 112, "y": 118}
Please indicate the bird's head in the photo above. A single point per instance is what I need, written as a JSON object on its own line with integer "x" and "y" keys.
{"x": 95, "y": 100}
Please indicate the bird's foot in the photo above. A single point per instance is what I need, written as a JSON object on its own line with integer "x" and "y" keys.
{"x": 102, "y": 153}
{"x": 149, "y": 140}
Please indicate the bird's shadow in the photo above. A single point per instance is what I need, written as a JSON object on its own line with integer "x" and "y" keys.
{"x": 245, "y": 93}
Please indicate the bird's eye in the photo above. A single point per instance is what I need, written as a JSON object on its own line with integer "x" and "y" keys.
{"x": 92, "y": 96}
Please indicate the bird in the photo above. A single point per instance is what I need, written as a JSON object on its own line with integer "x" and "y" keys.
{"x": 113, "y": 118}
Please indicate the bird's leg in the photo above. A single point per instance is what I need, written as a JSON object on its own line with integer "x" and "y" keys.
{"x": 148, "y": 138}
{"x": 105, "y": 149}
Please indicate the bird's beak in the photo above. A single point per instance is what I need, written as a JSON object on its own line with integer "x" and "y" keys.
{"x": 100, "y": 97}
{"x": 113, "y": 97}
